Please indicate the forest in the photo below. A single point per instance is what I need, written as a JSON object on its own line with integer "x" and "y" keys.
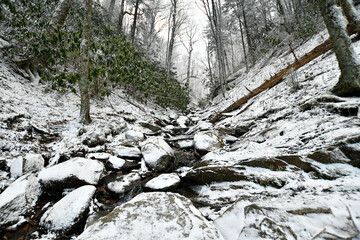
{"x": 179, "y": 119}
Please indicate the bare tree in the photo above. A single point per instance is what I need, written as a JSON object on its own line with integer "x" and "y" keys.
{"x": 188, "y": 44}
{"x": 111, "y": 9}
{"x": 176, "y": 19}
{"x": 349, "y": 61}
{"x": 133, "y": 26}
{"x": 84, "y": 66}
{"x": 121, "y": 16}
{"x": 351, "y": 14}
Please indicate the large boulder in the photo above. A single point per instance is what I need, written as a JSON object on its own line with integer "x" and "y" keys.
{"x": 72, "y": 173}
{"x": 157, "y": 154}
{"x": 68, "y": 213}
{"x": 156, "y": 215}
{"x": 164, "y": 182}
{"x": 29, "y": 163}
{"x": 205, "y": 142}
{"x": 121, "y": 164}
{"x": 18, "y": 199}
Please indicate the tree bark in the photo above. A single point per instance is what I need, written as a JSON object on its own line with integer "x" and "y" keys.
{"x": 84, "y": 65}
{"x": 133, "y": 26}
{"x": 351, "y": 14}
{"x": 171, "y": 39}
{"x": 121, "y": 16}
{"x": 111, "y": 9}
{"x": 348, "y": 60}
{"x": 61, "y": 13}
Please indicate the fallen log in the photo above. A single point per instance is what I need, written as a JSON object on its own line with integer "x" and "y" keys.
{"x": 277, "y": 78}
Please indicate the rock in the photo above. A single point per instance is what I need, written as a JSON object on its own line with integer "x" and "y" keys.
{"x": 343, "y": 109}
{"x": 119, "y": 183}
{"x": 93, "y": 140}
{"x": 269, "y": 163}
{"x": 127, "y": 152}
{"x": 70, "y": 212}
{"x": 183, "y": 158}
{"x": 327, "y": 157}
{"x": 29, "y": 163}
{"x": 3, "y": 164}
{"x": 122, "y": 164}
{"x": 157, "y": 215}
{"x": 99, "y": 156}
{"x": 352, "y": 151}
{"x": 185, "y": 144}
{"x": 205, "y": 142}
{"x": 182, "y": 121}
{"x": 18, "y": 199}
{"x": 72, "y": 173}
{"x": 152, "y": 127}
{"x": 134, "y": 136}
{"x": 164, "y": 182}
{"x": 158, "y": 155}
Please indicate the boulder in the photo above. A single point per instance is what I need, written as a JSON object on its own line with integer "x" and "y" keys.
{"x": 182, "y": 121}
{"x": 156, "y": 215}
{"x": 120, "y": 164}
{"x": 134, "y": 136}
{"x": 164, "y": 182}
{"x": 157, "y": 154}
{"x": 352, "y": 151}
{"x": 327, "y": 157}
{"x": 185, "y": 144}
{"x": 127, "y": 152}
{"x": 3, "y": 163}
{"x": 18, "y": 199}
{"x": 29, "y": 163}
{"x": 70, "y": 212}
{"x": 183, "y": 158}
{"x": 205, "y": 142}
{"x": 72, "y": 173}
{"x": 119, "y": 183}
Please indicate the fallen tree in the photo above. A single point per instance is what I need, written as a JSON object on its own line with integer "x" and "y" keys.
{"x": 277, "y": 78}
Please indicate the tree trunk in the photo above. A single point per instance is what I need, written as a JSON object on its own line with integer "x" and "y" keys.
{"x": 111, "y": 9}
{"x": 351, "y": 14}
{"x": 61, "y": 12}
{"x": 171, "y": 37}
{"x": 121, "y": 16}
{"x": 84, "y": 65}
{"x": 243, "y": 44}
{"x": 349, "y": 62}
{"x": 133, "y": 27}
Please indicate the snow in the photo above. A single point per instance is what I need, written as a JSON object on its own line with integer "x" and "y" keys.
{"x": 182, "y": 121}
{"x": 69, "y": 210}
{"x": 18, "y": 199}
{"x": 86, "y": 170}
{"x": 99, "y": 156}
{"x": 163, "y": 182}
{"x": 154, "y": 215}
{"x": 16, "y": 167}
{"x": 116, "y": 163}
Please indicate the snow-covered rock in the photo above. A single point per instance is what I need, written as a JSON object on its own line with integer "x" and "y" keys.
{"x": 182, "y": 121}
{"x": 127, "y": 152}
{"x": 207, "y": 141}
{"x": 72, "y": 173}
{"x": 70, "y": 211}
{"x": 185, "y": 144}
{"x": 164, "y": 182}
{"x": 123, "y": 183}
{"x": 18, "y": 199}
{"x": 157, "y": 154}
{"x": 23, "y": 165}
{"x": 122, "y": 164}
{"x": 99, "y": 156}
{"x": 134, "y": 136}
{"x": 156, "y": 215}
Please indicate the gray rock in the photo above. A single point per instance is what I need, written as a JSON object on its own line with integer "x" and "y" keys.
{"x": 121, "y": 164}
{"x": 72, "y": 173}
{"x": 134, "y": 136}
{"x": 18, "y": 199}
{"x": 164, "y": 182}
{"x": 157, "y": 215}
{"x": 127, "y": 152}
{"x": 123, "y": 183}
{"x": 205, "y": 142}
{"x": 69, "y": 212}
{"x": 158, "y": 155}
{"x": 29, "y": 163}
